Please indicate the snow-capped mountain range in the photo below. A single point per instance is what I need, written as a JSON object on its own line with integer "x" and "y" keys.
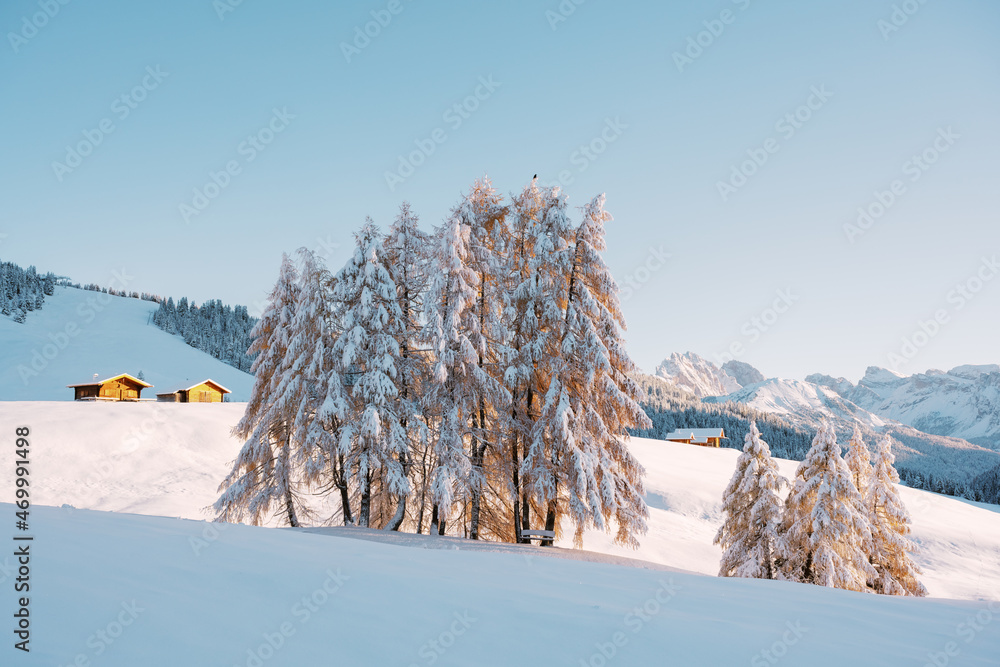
{"x": 963, "y": 402}
{"x": 698, "y": 376}
{"x": 952, "y": 419}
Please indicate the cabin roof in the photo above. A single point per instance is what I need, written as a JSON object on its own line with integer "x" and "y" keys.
{"x": 96, "y": 383}
{"x": 187, "y": 386}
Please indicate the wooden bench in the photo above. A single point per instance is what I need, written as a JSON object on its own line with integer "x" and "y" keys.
{"x": 538, "y": 535}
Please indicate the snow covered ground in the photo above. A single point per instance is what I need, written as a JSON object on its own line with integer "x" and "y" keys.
{"x": 959, "y": 540}
{"x": 168, "y": 459}
{"x": 126, "y": 590}
{"x": 78, "y": 333}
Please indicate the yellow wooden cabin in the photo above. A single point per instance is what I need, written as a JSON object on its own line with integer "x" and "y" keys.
{"x": 122, "y": 387}
{"x": 208, "y": 391}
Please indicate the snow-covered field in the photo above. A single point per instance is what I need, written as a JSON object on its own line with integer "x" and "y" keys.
{"x": 959, "y": 540}
{"x": 168, "y": 459}
{"x": 79, "y": 333}
{"x": 128, "y": 590}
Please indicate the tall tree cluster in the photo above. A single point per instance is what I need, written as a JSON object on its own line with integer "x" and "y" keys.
{"x": 23, "y": 290}
{"x": 842, "y": 525}
{"x": 220, "y": 330}
{"x": 472, "y": 381}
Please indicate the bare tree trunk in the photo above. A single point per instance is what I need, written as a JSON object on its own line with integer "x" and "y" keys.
{"x": 290, "y": 509}
{"x": 437, "y": 526}
{"x": 525, "y": 504}
{"x": 525, "y": 512}
{"x": 286, "y": 445}
{"x": 550, "y": 514}
{"x": 550, "y": 522}
{"x": 477, "y": 493}
{"x": 423, "y": 492}
{"x": 364, "y": 511}
{"x": 478, "y": 428}
{"x": 517, "y": 484}
{"x": 340, "y": 479}
{"x": 478, "y": 450}
{"x": 397, "y": 519}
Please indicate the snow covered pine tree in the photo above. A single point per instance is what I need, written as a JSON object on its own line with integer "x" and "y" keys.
{"x": 541, "y": 236}
{"x": 464, "y": 329}
{"x": 313, "y": 386}
{"x": 406, "y": 250}
{"x": 577, "y": 459}
{"x": 825, "y": 532}
{"x": 262, "y": 474}
{"x": 896, "y": 573}
{"x": 858, "y": 460}
{"x": 749, "y": 535}
{"x": 372, "y": 437}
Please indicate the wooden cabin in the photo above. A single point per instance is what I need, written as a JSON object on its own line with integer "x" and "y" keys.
{"x": 122, "y": 387}
{"x": 705, "y": 437}
{"x": 208, "y": 391}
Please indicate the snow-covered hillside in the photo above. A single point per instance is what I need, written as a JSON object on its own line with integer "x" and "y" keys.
{"x": 963, "y": 402}
{"x": 78, "y": 333}
{"x": 168, "y": 459}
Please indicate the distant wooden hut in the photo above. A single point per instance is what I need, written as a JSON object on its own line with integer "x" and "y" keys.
{"x": 706, "y": 437}
{"x": 207, "y": 391}
{"x": 122, "y": 387}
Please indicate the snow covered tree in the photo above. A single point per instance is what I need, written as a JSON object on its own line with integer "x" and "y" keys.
{"x": 262, "y": 475}
{"x": 312, "y": 387}
{"x": 752, "y": 505}
{"x": 372, "y": 438}
{"x": 486, "y": 215}
{"x": 23, "y": 290}
{"x": 541, "y": 233}
{"x": 484, "y": 366}
{"x": 896, "y": 573}
{"x": 825, "y": 532}
{"x": 220, "y": 330}
{"x": 858, "y": 460}
{"x": 577, "y": 454}
{"x": 406, "y": 258}
{"x": 465, "y": 332}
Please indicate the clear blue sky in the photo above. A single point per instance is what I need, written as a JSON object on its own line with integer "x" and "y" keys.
{"x": 677, "y": 132}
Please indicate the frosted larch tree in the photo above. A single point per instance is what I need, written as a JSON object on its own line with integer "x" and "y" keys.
{"x": 452, "y": 291}
{"x": 406, "y": 258}
{"x": 896, "y": 573}
{"x": 261, "y": 477}
{"x": 752, "y": 505}
{"x": 578, "y": 453}
{"x": 372, "y": 437}
{"x": 489, "y": 243}
{"x": 858, "y": 460}
{"x": 541, "y": 232}
{"x": 314, "y": 386}
{"x": 458, "y": 330}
